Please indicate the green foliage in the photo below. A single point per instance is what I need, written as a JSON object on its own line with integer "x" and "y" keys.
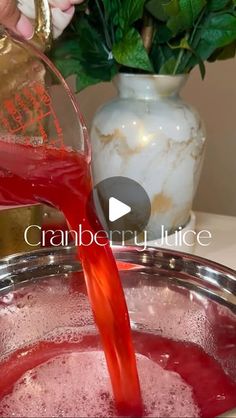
{"x": 109, "y": 36}
{"x": 130, "y": 52}
{"x": 185, "y": 17}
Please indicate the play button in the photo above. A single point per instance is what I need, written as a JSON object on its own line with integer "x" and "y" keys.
{"x": 117, "y": 209}
{"x": 123, "y": 208}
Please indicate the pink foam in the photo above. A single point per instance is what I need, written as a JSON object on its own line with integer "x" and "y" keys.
{"x": 77, "y": 384}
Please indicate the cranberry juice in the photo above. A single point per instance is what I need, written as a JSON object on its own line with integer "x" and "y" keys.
{"x": 70, "y": 379}
{"x": 62, "y": 178}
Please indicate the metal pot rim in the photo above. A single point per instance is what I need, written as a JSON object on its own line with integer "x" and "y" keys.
{"x": 211, "y": 279}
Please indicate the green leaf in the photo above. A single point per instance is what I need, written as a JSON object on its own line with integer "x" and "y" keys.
{"x": 130, "y": 52}
{"x": 156, "y": 9}
{"x": 85, "y": 55}
{"x": 112, "y": 9}
{"x": 172, "y": 8}
{"x": 189, "y": 10}
{"x": 219, "y": 31}
{"x": 65, "y": 49}
{"x": 184, "y": 45}
{"x": 73, "y": 67}
{"x": 94, "y": 55}
{"x": 168, "y": 67}
{"x": 82, "y": 7}
{"x": 132, "y": 10}
{"x": 216, "y": 32}
{"x": 225, "y": 53}
{"x": 200, "y": 63}
{"x": 67, "y": 68}
{"x": 128, "y": 14}
{"x": 160, "y": 55}
{"x": 164, "y": 34}
{"x": 83, "y": 81}
{"x": 164, "y": 9}
{"x": 215, "y": 5}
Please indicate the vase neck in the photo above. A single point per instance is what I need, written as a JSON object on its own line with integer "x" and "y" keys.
{"x": 148, "y": 87}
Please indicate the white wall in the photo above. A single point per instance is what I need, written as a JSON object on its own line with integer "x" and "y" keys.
{"x": 215, "y": 99}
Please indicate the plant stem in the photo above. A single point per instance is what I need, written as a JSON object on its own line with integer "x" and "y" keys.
{"x": 192, "y": 37}
{"x": 106, "y": 33}
{"x": 147, "y": 32}
{"x": 197, "y": 23}
{"x": 179, "y": 59}
{"x": 112, "y": 33}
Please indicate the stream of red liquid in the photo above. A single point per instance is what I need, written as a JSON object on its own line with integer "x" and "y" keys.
{"x": 62, "y": 179}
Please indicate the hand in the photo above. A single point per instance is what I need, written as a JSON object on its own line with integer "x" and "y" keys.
{"x": 11, "y": 18}
{"x": 62, "y": 12}
{"x": 19, "y": 18}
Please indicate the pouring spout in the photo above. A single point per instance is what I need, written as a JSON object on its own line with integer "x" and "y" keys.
{"x": 43, "y": 27}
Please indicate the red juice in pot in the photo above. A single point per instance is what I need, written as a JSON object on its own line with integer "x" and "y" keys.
{"x": 70, "y": 379}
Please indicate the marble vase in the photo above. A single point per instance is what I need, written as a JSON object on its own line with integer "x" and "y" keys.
{"x": 149, "y": 134}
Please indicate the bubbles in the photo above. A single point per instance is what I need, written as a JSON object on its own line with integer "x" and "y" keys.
{"x": 77, "y": 384}
{"x": 31, "y": 312}
{"x": 171, "y": 312}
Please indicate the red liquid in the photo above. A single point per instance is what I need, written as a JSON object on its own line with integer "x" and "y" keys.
{"x": 213, "y": 390}
{"x": 62, "y": 179}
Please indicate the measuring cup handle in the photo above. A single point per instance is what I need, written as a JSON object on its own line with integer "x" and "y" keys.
{"x": 43, "y": 26}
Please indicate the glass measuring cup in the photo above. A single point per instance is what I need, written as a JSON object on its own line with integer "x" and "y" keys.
{"x": 33, "y": 103}
{"x": 33, "y": 99}
{"x": 37, "y": 108}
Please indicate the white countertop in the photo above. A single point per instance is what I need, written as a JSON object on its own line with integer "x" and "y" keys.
{"x": 222, "y": 248}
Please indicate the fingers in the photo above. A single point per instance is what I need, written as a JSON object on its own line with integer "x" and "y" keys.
{"x": 11, "y": 18}
{"x": 27, "y": 7}
{"x": 62, "y": 12}
{"x": 61, "y": 20}
{"x": 64, "y": 4}
{"x": 61, "y": 4}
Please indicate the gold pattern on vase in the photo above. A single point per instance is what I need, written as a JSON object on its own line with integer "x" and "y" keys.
{"x": 122, "y": 146}
{"x": 161, "y": 203}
